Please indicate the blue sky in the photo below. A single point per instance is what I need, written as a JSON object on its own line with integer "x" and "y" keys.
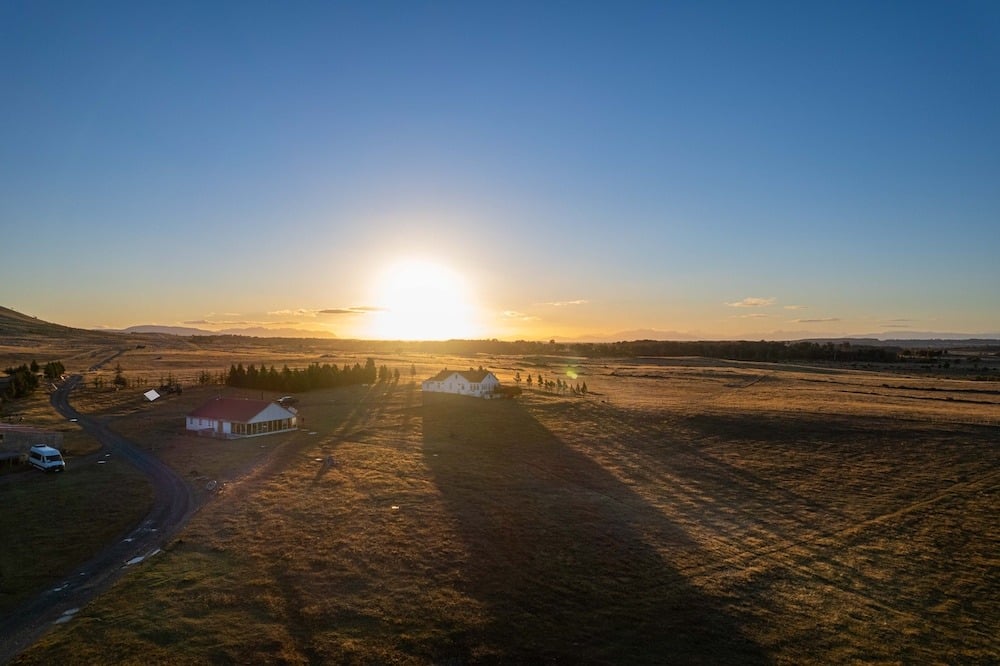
{"x": 683, "y": 169}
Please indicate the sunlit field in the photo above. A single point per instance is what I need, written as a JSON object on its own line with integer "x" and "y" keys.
{"x": 720, "y": 275}
{"x": 682, "y": 510}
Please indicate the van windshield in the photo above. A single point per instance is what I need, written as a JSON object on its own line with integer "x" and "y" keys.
{"x": 55, "y": 458}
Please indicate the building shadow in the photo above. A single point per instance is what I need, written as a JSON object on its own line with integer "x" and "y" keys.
{"x": 563, "y": 554}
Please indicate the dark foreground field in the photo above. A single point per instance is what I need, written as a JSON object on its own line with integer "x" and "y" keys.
{"x": 682, "y": 512}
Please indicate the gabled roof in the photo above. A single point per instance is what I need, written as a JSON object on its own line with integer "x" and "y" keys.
{"x": 233, "y": 409}
{"x": 473, "y": 376}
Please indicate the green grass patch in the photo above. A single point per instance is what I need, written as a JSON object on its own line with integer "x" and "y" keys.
{"x": 53, "y": 522}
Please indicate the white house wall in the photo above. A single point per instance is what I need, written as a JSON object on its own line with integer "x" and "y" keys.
{"x": 195, "y": 423}
{"x": 459, "y": 385}
{"x": 225, "y": 428}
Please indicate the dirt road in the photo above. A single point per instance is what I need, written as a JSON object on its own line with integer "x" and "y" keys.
{"x": 173, "y": 504}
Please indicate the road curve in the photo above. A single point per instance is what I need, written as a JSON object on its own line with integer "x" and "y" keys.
{"x": 173, "y": 505}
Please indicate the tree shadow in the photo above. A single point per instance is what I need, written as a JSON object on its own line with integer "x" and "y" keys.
{"x": 562, "y": 553}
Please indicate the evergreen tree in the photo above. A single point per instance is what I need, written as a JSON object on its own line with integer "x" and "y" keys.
{"x": 120, "y": 380}
{"x": 54, "y": 370}
{"x": 22, "y": 382}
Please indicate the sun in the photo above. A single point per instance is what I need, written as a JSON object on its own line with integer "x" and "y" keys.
{"x": 422, "y": 300}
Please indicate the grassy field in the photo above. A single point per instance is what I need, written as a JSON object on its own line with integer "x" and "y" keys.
{"x": 51, "y": 523}
{"x": 684, "y": 511}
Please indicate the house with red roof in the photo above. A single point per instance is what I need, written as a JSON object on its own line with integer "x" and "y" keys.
{"x": 476, "y": 383}
{"x": 238, "y": 417}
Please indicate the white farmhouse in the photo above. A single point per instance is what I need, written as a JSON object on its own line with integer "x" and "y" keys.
{"x": 235, "y": 417}
{"x": 477, "y": 383}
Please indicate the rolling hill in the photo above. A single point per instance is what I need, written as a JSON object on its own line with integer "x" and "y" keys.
{"x": 13, "y": 324}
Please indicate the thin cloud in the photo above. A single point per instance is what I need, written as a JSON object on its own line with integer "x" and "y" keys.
{"x": 753, "y": 302}
{"x": 752, "y": 315}
{"x": 796, "y": 307}
{"x": 562, "y": 304}
{"x": 312, "y": 314}
{"x": 821, "y": 320}
{"x": 239, "y": 322}
{"x": 301, "y": 312}
{"x": 518, "y": 316}
{"x": 361, "y": 309}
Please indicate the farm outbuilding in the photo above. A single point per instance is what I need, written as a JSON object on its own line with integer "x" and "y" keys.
{"x": 476, "y": 383}
{"x": 237, "y": 417}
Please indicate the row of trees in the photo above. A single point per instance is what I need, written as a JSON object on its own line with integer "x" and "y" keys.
{"x": 557, "y": 385}
{"x": 24, "y": 378}
{"x": 52, "y": 370}
{"x": 742, "y": 350}
{"x": 22, "y": 382}
{"x": 315, "y": 376}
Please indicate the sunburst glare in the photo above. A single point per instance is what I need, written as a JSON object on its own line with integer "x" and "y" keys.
{"x": 422, "y": 300}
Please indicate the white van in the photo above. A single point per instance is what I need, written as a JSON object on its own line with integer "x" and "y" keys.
{"x": 46, "y": 459}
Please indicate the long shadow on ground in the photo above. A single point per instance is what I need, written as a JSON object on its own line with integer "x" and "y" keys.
{"x": 560, "y": 550}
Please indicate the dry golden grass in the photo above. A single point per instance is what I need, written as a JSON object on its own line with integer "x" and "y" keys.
{"x": 685, "y": 511}
{"x": 36, "y": 412}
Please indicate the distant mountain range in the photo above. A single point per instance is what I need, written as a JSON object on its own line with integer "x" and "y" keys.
{"x": 911, "y": 336}
{"x": 253, "y": 331}
{"x": 14, "y": 324}
{"x": 893, "y": 338}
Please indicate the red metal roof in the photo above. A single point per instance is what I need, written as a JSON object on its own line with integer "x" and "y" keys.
{"x": 239, "y": 410}
{"x": 473, "y": 376}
